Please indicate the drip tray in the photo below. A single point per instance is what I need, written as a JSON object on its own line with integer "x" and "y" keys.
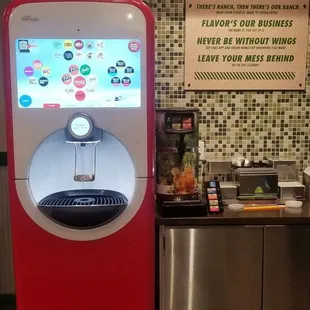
{"x": 83, "y": 209}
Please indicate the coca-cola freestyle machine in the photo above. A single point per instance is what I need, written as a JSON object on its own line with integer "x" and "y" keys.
{"x": 80, "y": 118}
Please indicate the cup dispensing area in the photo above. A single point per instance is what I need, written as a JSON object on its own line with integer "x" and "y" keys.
{"x": 130, "y": 189}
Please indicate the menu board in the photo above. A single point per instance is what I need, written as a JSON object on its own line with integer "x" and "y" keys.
{"x": 78, "y": 73}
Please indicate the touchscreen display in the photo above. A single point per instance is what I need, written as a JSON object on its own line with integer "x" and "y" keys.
{"x": 78, "y": 73}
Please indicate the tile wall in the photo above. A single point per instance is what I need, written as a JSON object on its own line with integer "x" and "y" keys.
{"x": 255, "y": 124}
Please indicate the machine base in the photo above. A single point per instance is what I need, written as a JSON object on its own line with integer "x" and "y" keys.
{"x": 114, "y": 273}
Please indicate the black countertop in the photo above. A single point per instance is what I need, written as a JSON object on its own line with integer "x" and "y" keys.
{"x": 285, "y": 216}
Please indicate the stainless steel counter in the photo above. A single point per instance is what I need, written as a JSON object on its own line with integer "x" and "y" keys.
{"x": 215, "y": 268}
{"x": 280, "y": 217}
{"x": 236, "y": 261}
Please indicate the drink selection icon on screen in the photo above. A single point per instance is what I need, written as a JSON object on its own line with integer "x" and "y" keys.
{"x": 23, "y": 46}
{"x": 77, "y": 73}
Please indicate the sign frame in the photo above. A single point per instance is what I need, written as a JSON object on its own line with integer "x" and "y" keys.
{"x": 246, "y": 45}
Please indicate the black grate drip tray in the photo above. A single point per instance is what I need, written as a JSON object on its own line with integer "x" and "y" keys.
{"x": 83, "y": 209}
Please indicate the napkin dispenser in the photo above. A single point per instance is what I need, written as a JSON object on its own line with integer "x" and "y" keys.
{"x": 256, "y": 183}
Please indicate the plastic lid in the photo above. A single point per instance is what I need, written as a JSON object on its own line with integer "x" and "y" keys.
{"x": 293, "y": 204}
{"x": 236, "y": 206}
{"x": 295, "y": 211}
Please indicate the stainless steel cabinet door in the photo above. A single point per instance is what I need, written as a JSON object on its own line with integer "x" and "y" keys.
{"x": 287, "y": 268}
{"x": 212, "y": 268}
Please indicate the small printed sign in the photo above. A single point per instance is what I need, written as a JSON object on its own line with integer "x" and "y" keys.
{"x": 246, "y": 45}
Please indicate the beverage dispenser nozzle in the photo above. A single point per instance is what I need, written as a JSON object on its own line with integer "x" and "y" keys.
{"x": 85, "y": 162}
{"x": 85, "y": 137}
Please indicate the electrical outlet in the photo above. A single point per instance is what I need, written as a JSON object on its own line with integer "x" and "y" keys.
{"x": 201, "y": 150}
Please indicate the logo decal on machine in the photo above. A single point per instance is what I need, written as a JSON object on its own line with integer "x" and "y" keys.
{"x": 29, "y": 71}
{"x": 115, "y": 81}
{"x": 66, "y": 79}
{"x": 23, "y": 46}
{"x": 43, "y": 81}
{"x": 69, "y": 90}
{"x": 68, "y": 44}
{"x": 32, "y": 81}
{"x": 68, "y": 55}
{"x": 37, "y": 64}
{"x": 126, "y": 81}
{"x": 80, "y": 95}
{"x": 92, "y": 79}
{"x": 25, "y": 101}
{"x": 29, "y": 18}
{"x": 78, "y": 44}
{"x": 134, "y": 46}
{"x": 121, "y": 64}
{"x": 46, "y": 71}
{"x": 74, "y": 69}
{"x": 79, "y": 82}
{"x": 79, "y": 55}
{"x": 112, "y": 71}
{"x": 85, "y": 69}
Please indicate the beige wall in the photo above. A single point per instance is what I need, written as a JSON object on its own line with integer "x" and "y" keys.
{"x": 6, "y": 261}
{"x": 2, "y": 120}
{"x": 2, "y": 123}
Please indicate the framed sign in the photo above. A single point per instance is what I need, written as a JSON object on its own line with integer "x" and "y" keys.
{"x": 242, "y": 44}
